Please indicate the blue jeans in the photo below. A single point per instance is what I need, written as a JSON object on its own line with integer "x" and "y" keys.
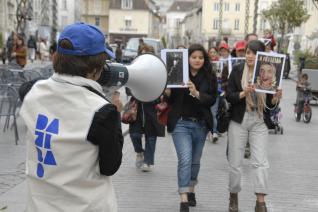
{"x": 214, "y": 111}
{"x": 188, "y": 138}
{"x": 150, "y": 146}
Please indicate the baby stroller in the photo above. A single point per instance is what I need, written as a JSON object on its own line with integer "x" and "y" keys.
{"x": 273, "y": 120}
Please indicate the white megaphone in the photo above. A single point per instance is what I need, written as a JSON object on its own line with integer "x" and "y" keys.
{"x": 146, "y": 77}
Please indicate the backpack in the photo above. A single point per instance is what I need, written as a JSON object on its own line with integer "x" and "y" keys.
{"x": 223, "y": 116}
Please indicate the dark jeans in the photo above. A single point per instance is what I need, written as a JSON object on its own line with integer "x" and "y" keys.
{"x": 150, "y": 146}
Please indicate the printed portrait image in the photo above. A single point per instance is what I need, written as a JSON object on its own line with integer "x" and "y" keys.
{"x": 268, "y": 72}
{"x": 176, "y": 61}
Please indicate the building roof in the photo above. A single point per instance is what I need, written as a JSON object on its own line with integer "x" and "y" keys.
{"x": 136, "y": 4}
{"x": 182, "y": 6}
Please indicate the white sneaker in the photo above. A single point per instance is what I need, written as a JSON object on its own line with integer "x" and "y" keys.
{"x": 215, "y": 137}
{"x": 147, "y": 168}
{"x": 139, "y": 160}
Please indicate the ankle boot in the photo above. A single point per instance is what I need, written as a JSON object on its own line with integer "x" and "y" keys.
{"x": 260, "y": 207}
{"x": 233, "y": 206}
{"x": 184, "y": 207}
{"x": 191, "y": 199}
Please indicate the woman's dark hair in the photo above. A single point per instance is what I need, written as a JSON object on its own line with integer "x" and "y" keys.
{"x": 21, "y": 39}
{"x": 76, "y": 65}
{"x": 207, "y": 67}
{"x": 256, "y": 46}
{"x": 213, "y": 47}
{"x": 198, "y": 47}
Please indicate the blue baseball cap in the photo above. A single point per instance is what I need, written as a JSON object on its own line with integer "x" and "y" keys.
{"x": 87, "y": 40}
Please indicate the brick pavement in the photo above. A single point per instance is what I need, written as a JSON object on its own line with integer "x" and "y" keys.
{"x": 293, "y": 173}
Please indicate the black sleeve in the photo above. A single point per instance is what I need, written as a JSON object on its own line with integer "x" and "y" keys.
{"x": 208, "y": 97}
{"x": 233, "y": 93}
{"x": 105, "y": 131}
{"x": 26, "y": 87}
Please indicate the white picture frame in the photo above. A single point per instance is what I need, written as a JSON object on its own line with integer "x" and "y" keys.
{"x": 177, "y": 64}
{"x": 268, "y": 72}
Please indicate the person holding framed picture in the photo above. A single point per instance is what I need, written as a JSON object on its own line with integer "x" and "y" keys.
{"x": 189, "y": 120}
{"x": 248, "y": 110}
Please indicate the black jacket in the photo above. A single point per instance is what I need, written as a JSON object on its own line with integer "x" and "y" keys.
{"x": 147, "y": 122}
{"x": 208, "y": 92}
{"x": 234, "y": 87}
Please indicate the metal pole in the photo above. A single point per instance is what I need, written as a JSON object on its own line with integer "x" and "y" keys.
{"x": 247, "y": 12}
{"x": 255, "y": 16}
{"x": 220, "y": 19}
{"x": 24, "y": 13}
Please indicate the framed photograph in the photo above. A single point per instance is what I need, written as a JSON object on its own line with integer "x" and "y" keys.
{"x": 177, "y": 64}
{"x": 268, "y": 71}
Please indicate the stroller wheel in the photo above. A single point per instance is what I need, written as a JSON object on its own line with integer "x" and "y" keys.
{"x": 275, "y": 130}
{"x": 281, "y": 130}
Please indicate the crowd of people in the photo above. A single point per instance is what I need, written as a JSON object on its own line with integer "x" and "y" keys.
{"x": 19, "y": 50}
{"x": 88, "y": 116}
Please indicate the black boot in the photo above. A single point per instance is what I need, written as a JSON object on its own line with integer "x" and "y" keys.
{"x": 184, "y": 207}
{"x": 233, "y": 206}
{"x": 260, "y": 207}
{"x": 191, "y": 199}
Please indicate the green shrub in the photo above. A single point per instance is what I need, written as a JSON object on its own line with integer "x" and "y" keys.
{"x": 311, "y": 61}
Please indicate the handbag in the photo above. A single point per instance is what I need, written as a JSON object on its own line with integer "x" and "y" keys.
{"x": 223, "y": 116}
{"x": 130, "y": 112}
{"x": 163, "y": 109}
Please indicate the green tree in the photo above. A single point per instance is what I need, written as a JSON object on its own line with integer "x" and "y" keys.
{"x": 284, "y": 15}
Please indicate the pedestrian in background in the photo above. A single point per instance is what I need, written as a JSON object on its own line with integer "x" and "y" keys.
{"x": 190, "y": 119}
{"x": 4, "y": 55}
{"x": 31, "y": 48}
{"x": 213, "y": 54}
{"x": 20, "y": 52}
{"x": 44, "y": 50}
{"x": 10, "y": 44}
{"x": 118, "y": 53}
{"x": 247, "y": 124}
{"x": 146, "y": 124}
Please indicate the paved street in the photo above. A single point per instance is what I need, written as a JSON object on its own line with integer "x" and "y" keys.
{"x": 293, "y": 172}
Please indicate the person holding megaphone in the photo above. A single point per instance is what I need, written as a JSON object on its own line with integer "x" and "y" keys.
{"x": 189, "y": 120}
{"x": 74, "y": 137}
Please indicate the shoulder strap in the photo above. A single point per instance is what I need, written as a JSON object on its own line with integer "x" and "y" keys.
{"x": 96, "y": 92}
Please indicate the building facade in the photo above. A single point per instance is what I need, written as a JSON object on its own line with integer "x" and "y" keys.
{"x": 96, "y": 12}
{"x": 7, "y": 18}
{"x": 174, "y": 19}
{"x": 131, "y": 18}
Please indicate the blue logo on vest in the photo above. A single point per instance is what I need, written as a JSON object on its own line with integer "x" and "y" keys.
{"x": 44, "y": 131}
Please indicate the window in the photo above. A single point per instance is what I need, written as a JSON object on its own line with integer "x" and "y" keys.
{"x": 215, "y": 23}
{"x": 126, "y": 4}
{"x": 178, "y": 23}
{"x": 127, "y": 23}
{"x": 237, "y": 24}
{"x": 97, "y": 21}
{"x": 237, "y": 7}
{"x": 226, "y": 6}
{"x": 98, "y": 6}
{"x": 64, "y": 5}
{"x": 64, "y": 21}
{"x": 216, "y": 6}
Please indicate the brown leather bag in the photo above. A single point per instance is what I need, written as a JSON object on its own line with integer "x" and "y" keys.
{"x": 163, "y": 109}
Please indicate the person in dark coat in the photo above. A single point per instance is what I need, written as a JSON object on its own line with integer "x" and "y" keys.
{"x": 190, "y": 119}
{"x": 147, "y": 124}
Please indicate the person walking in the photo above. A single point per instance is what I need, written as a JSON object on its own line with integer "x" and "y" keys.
{"x": 147, "y": 124}
{"x": 190, "y": 119}
{"x": 31, "y": 48}
{"x": 247, "y": 124}
{"x": 74, "y": 141}
{"x": 20, "y": 52}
